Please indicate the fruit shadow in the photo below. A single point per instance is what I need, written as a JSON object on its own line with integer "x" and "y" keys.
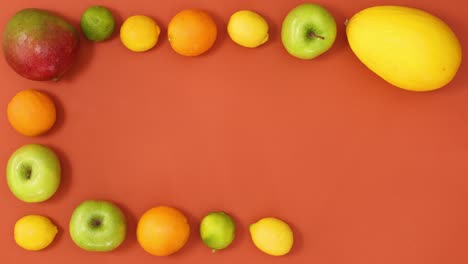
{"x": 194, "y": 236}
{"x": 273, "y": 31}
{"x": 61, "y": 232}
{"x": 66, "y": 174}
{"x": 130, "y": 237}
{"x": 85, "y": 50}
{"x": 60, "y": 112}
{"x": 341, "y": 41}
{"x": 242, "y": 233}
{"x": 118, "y": 21}
{"x": 221, "y": 33}
{"x": 83, "y": 60}
{"x": 298, "y": 239}
{"x": 162, "y": 40}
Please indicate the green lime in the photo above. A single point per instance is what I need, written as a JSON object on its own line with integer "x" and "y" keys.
{"x": 97, "y": 23}
{"x": 217, "y": 230}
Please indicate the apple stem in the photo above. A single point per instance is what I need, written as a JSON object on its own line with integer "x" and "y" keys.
{"x": 28, "y": 174}
{"x": 313, "y": 35}
{"x": 95, "y": 223}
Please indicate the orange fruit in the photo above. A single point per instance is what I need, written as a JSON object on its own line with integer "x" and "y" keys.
{"x": 162, "y": 231}
{"x": 31, "y": 112}
{"x": 191, "y": 32}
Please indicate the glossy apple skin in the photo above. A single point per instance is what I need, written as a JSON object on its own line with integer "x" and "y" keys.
{"x": 40, "y": 45}
{"x": 106, "y": 236}
{"x": 33, "y": 173}
{"x": 298, "y": 26}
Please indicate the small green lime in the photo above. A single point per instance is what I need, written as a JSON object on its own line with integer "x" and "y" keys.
{"x": 217, "y": 230}
{"x": 97, "y": 23}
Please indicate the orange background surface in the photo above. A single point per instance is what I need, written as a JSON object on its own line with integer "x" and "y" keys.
{"x": 364, "y": 172}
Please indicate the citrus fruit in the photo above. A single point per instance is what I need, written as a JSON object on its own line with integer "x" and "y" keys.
{"x": 248, "y": 29}
{"x": 139, "y": 33}
{"x": 162, "y": 231}
{"x": 97, "y": 23}
{"x": 34, "y": 232}
{"x": 31, "y": 112}
{"x": 191, "y": 32}
{"x": 217, "y": 230}
{"x": 273, "y": 236}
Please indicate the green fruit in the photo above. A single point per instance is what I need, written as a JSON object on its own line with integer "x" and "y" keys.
{"x": 308, "y": 31}
{"x": 98, "y": 226}
{"x": 39, "y": 45}
{"x": 97, "y": 23}
{"x": 273, "y": 236}
{"x": 217, "y": 230}
{"x": 33, "y": 173}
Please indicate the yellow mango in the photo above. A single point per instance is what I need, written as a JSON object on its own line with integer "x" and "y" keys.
{"x": 407, "y": 47}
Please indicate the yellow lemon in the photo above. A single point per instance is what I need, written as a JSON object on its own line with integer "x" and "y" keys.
{"x": 273, "y": 236}
{"x": 248, "y": 29}
{"x": 34, "y": 232}
{"x": 407, "y": 47}
{"x": 139, "y": 33}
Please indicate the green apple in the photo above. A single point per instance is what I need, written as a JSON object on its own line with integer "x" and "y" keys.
{"x": 308, "y": 31}
{"x": 98, "y": 225}
{"x": 33, "y": 173}
{"x": 217, "y": 230}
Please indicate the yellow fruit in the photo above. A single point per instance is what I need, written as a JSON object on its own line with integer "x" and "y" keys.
{"x": 34, "y": 232}
{"x": 248, "y": 29}
{"x": 139, "y": 33}
{"x": 407, "y": 47}
{"x": 272, "y": 236}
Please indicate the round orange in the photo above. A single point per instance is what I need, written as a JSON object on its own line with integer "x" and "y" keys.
{"x": 191, "y": 32}
{"x": 31, "y": 112}
{"x": 162, "y": 231}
